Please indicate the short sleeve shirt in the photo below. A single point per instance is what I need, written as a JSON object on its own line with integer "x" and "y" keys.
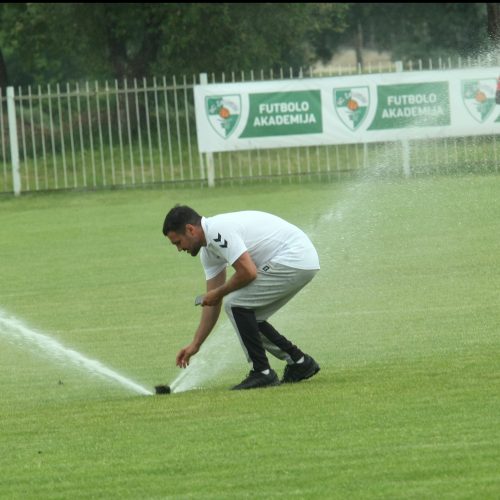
{"x": 266, "y": 237}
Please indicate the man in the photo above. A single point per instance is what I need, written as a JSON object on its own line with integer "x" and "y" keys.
{"x": 272, "y": 260}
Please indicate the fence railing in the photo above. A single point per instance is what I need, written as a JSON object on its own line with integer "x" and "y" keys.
{"x": 96, "y": 136}
{"x": 137, "y": 133}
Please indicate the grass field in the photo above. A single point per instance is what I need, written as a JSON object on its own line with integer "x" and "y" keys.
{"x": 403, "y": 318}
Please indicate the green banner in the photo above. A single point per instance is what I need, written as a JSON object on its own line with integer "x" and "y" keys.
{"x": 284, "y": 113}
{"x": 349, "y": 109}
{"x": 412, "y": 105}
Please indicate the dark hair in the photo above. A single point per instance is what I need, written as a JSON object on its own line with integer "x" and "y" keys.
{"x": 178, "y": 217}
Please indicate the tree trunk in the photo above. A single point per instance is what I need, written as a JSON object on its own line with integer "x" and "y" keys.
{"x": 4, "y": 80}
{"x": 359, "y": 46}
{"x": 493, "y": 11}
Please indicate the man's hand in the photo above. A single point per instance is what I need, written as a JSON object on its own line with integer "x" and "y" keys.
{"x": 185, "y": 354}
{"x": 218, "y": 288}
{"x": 209, "y": 316}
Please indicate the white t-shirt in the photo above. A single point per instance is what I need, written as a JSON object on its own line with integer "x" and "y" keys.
{"x": 266, "y": 237}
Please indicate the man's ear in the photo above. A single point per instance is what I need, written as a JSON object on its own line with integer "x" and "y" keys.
{"x": 190, "y": 229}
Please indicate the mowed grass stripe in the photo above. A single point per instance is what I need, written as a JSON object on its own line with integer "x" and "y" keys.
{"x": 403, "y": 319}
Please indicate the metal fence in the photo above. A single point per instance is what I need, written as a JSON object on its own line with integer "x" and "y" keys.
{"x": 90, "y": 136}
{"x": 139, "y": 133}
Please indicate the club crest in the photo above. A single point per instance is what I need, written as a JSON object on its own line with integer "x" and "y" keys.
{"x": 223, "y": 113}
{"x": 351, "y": 105}
{"x": 479, "y": 97}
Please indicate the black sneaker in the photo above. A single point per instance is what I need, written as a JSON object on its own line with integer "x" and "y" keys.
{"x": 258, "y": 379}
{"x": 297, "y": 372}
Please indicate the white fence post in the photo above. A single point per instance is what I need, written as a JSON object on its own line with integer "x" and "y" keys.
{"x": 405, "y": 143}
{"x": 208, "y": 156}
{"x": 14, "y": 145}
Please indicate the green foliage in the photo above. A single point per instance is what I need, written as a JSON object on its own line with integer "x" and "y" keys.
{"x": 242, "y": 37}
{"x": 68, "y": 42}
{"x": 413, "y": 31}
{"x": 449, "y": 28}
{"x": 46, "y": 43}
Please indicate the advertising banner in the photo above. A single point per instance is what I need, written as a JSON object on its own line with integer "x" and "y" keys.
{"x": 346, "y": 109}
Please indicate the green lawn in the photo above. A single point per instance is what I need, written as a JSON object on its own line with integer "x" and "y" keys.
{"x": 403, "y": 318}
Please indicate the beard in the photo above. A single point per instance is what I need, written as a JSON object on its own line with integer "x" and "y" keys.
{"x": 194, "y": 252}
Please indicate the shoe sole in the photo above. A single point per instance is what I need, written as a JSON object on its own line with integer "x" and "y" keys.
{"x": 308, "y": 375}
{"x": 274, "y": 383}
{"x": 316, "y": 370}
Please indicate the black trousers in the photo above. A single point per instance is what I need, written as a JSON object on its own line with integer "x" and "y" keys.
{"x": 257, "y": 335}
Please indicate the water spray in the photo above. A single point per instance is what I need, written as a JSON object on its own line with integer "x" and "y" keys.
{"x": 18, "y": 333}
{"x": 217, "y": 354}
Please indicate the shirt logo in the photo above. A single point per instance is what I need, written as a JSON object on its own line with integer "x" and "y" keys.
{"x": 219, "y": 239}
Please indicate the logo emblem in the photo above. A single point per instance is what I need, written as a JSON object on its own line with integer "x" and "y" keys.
{"x": 351, "y": 105}
{"x": 479, "y": 97}
{"x": 219, "y": 241}
{"x": 223, "y": 113}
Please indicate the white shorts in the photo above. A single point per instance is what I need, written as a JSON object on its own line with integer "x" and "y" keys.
{"x": 274, "y": 286}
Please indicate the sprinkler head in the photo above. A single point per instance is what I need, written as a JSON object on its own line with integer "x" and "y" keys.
{"x": 162, "y": 389}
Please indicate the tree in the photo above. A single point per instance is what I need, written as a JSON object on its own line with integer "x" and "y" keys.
{"x": 67, "y": 42}
{"x": 493, "y": 13}
{"x": 223, "y": 37}
{"x": 52, "y": 42}
{"x": 43, "y": 43}
{"x": 4, "y": 78}
{"x": 124, "y": 38}
{"x": 414, "y": 31}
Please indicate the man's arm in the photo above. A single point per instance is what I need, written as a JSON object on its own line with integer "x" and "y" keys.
{"x": 209, "y": 317}
{"x": 245, "y": 273}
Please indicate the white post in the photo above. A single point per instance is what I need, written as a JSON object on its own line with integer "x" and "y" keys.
{"x": 210, "y": 169}
{"x": 365, "y": 155}
{"x": 14, "y": 145}
{"x": 208, "y": 156}
{"x": 405, "y": 143}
